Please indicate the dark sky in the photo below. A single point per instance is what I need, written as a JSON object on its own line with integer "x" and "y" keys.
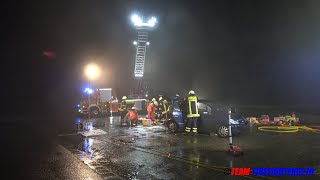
{"x": 246, "y": 52}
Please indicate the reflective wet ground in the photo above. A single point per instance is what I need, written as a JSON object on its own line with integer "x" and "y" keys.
{"x": 154, "y": 153}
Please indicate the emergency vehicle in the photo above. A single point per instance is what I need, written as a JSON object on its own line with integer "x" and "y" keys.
{"x": 139, "y": 103}
{"x": 97, "y": 101}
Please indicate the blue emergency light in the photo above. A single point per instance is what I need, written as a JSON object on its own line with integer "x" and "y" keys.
{"x": 88, "y": 90}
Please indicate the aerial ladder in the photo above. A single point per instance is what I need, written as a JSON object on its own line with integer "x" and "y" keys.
{"x": 141, "y": 85}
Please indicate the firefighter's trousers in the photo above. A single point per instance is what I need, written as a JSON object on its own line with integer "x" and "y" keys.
{"x": 123, "y": 114}
{"x": 192, "y": 125}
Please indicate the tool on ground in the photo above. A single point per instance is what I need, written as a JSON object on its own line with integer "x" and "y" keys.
{"x": 233, "y": 150}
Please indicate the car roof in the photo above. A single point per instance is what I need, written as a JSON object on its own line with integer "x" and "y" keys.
{"x": 216, "y": 105}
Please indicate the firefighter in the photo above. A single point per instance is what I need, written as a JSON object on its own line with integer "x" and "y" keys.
{"x": 161, "y": 108}
{"x": 192, "y": 113}
{"x": 155, "y": 102}
{"x": 123, "y": 107}
{"x": 132, "y": 116}
{"x": 151, "y": 108}
{"x": 164, "y": 111}
{"x": 156, "y": 105}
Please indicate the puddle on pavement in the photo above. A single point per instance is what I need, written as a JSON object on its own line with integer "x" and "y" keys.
{"x": 90, "y": 150}
{"x": 104, "y": 157}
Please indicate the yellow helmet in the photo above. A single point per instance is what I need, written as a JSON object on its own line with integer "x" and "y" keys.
{"x": 124, "y": 97}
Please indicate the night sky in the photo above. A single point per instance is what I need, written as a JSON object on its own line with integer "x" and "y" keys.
{"x": 244, "y": 52}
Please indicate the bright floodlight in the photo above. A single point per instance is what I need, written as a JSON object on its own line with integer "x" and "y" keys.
{"x": 135, "y": 42}
{"x": 152, "y": 22}
{"x": 148, "y": 43}
{"x": 138, "y": 21}
{"x": 92, "y": 71}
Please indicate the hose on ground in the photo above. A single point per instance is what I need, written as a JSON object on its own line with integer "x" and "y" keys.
{"x": 288, "y": 129}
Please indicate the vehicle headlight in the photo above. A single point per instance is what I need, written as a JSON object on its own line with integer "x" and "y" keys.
{"x": 233, "y": 121}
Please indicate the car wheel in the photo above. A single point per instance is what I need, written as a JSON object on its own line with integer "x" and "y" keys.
{"x": 223, "y": 131}
{"x": 172, "y": 126}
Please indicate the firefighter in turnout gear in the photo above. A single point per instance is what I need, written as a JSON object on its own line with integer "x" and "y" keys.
{"x": 151, "y": 108}
{"x": 156, "y": 105}
{"x": 164, "y": 112}
{"x": 192, "y": 113}
{"x": 123, "y": 107}
{"x": 155, "y": 102}
{"x": 162, "y": 108}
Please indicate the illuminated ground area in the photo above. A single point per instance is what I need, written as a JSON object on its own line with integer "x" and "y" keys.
{"x": 153, "y": 153}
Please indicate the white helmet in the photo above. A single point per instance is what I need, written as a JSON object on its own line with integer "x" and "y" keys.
{"x": 124, "y": 97}
{"x": 191, "y": 92}
{"x": 160, "y": 98}
{"x": 133, "y": 108}
{"x": 154, "y": 99}
{"x": 177, "y": 95}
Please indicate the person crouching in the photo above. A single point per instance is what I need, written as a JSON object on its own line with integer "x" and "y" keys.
{"x": 132, "y": 117}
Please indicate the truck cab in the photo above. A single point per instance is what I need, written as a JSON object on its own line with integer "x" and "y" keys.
{"x": 96, "y": 101}
{"x": 140, "y": 104}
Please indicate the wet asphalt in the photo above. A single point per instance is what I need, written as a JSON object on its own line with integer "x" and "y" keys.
{"x": 154, "y": 153}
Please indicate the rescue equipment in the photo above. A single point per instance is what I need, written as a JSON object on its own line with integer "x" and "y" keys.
{"x": 233, "y": 150}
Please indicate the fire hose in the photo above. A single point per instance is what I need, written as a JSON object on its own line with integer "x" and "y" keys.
{"x": 288, "y": 129}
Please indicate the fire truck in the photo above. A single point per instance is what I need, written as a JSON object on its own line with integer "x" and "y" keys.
{"x": 139, "y": 103}
{"x": 97, "y": 102}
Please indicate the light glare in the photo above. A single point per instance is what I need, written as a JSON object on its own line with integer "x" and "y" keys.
{"x": 88, "y": 90}
{"x": 138, "y": 21}
{"x": 92, "y": 71}
{"x": 152, "y": 22}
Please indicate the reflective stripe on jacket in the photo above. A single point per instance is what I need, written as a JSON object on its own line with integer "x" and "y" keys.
{"x": 123, "y": 105}
{"x": 192, "y": 110}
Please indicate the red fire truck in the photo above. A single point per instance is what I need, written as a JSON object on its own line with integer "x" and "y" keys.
{"x": 97, "y": 102}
